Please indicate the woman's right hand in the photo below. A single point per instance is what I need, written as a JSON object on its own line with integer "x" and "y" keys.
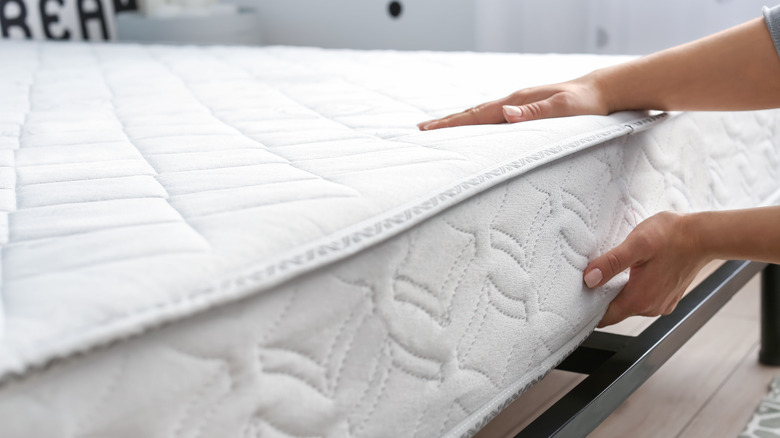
{"x": 664, "y": 253}
{"x": 576, "y": 97}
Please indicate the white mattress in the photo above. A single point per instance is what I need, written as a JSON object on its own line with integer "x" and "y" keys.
{"x": 258, "y": 241}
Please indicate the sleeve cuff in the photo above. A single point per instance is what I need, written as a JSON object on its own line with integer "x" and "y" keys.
{"x": 772, "y": 19}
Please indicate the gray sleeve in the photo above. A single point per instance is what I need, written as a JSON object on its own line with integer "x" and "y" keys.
{"x": 772, "y": 18}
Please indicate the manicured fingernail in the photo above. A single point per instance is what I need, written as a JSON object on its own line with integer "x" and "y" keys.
{"x": 593, "y": 278}
{"x": 512, "y": 111}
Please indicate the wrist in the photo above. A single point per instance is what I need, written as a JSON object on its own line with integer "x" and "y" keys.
{"x": 639, "y": 84}
{"x": 699, "y": 241}
{"x": 611, "y": 89}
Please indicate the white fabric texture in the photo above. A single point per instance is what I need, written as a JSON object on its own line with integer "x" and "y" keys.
{"x": 372, "y": 280}
{"x": 217, "y": 173}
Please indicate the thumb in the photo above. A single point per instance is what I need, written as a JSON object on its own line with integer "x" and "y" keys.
{"x": 610, "y": 264}
{"x": 542, "y": 109}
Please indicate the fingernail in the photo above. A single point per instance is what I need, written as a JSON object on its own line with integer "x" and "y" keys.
{"x": 512, "y": 111}
{"x": 593, "y": 278}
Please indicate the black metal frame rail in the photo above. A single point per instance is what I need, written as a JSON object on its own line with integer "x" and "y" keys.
{"x": 617, "y": 365}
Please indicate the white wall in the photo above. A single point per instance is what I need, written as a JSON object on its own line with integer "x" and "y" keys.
{"x": 366, "y": 24}
{"x": 532, "y": 25}
{"x": 564, "y": 26}
{"x": 637, "y": 27}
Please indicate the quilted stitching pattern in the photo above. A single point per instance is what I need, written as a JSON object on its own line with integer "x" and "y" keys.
{"x": 396, "y": 348}
{"x": 424, "y": 335}
{"x": 191, "y": 166}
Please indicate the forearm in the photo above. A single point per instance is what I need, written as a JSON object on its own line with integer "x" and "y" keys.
{"x": 749, "y": 234}
{"x": 737, "y": 69}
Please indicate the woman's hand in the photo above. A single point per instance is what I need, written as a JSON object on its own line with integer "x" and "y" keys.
{"x": 666, "y": 251}
{"x": 663, "y": 255}
{"x": 736, "y": 69}
{"x": 577, "y": 97}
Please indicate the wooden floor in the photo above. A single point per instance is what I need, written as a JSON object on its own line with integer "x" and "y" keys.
{"x": 708, "y": 389}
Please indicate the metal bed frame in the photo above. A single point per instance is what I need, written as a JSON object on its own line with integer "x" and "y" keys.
{"x": 617, "y": 365}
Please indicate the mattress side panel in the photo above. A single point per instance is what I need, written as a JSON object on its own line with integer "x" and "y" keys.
{"x": 403, "y": 340}
{"x": 699, "y": 161}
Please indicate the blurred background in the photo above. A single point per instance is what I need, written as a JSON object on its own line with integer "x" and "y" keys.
{"x": 535, "y": 26}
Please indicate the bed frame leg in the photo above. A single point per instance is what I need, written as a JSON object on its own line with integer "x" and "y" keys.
{"x": 770, "y": 316}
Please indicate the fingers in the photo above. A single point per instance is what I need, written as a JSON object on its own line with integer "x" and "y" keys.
{"x": 611, "y": 263}
{"x": 614, "y": 315}
{"x": 608, "y": 265}
{"x": 486, "y": 113}
{"x": 637, "y": 298}
{"x": 541, "y": 104}
{"x": 662, "y": 267}
{"x": 493, "y": 112}
{"x": 490, "y": 112}
{"x": 641, "y": 297}
{"x": 543, "y": 109}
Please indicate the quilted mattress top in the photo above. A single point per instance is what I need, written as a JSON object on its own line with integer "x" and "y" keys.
{"x": 142, "y": 184}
